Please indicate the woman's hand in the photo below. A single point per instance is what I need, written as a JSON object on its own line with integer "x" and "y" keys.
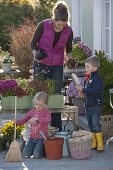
{"x": 70, "y": 62}
{"x": 35, "y": 55}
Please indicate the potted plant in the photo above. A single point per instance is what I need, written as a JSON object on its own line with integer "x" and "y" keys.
{"x": 80, "y": 52}
{"x": 7, "y": 133}
{"x": 75, "y": 96}
{"x": 6, "y": 60}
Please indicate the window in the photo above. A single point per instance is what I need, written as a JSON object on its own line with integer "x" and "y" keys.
{"x": 106, "y": 27}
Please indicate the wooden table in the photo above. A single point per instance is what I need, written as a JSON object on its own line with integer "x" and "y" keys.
{"x": 72, "y": 111}
{"x": 68, "y": 110}
{"x": 79, "y": 71}
{"x": 12, "y": 73}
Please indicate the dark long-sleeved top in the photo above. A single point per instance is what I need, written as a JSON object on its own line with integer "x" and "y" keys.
{"x": 93, "y": 90}
{"x": 38, "y": 33}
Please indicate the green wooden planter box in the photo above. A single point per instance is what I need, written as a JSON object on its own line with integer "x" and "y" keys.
{"x": 25, "y": 102}
{"x": 56, "y": 101}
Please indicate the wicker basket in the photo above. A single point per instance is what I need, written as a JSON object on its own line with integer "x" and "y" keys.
{"x": 80, "y": 146}
{"x": 107, "y": 126}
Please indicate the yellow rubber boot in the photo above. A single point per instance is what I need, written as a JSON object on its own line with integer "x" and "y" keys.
{"x": 99, "y": 139}
{"x": 94, "y": 143}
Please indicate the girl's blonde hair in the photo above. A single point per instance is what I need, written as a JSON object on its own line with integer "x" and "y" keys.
{"x": 61, "y": 11}
{"x": 41, "y": 96}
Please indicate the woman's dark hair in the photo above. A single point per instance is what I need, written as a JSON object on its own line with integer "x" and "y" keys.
{"x": 61, "y": 11}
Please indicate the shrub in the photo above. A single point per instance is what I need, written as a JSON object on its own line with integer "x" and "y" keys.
{"x": 43, "y": 9}
{"x": 12, "y": 12}
{"x": 106, "y": 70}
{"x": 20, "y": 39}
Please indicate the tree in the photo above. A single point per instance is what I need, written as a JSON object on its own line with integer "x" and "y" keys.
{"x": 12, "y": 12}
{"x": 43, "y": 9}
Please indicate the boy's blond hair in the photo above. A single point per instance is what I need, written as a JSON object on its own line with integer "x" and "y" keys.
{"x": 94, "y": 61}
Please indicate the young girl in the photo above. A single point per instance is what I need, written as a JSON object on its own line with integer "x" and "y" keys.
{"x": 39, "y": 118}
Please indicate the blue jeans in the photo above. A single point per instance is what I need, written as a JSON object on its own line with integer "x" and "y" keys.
{"x": 34, "y": 147}
{"x": 52, "y": 73}
{"x": 93, "y": 118}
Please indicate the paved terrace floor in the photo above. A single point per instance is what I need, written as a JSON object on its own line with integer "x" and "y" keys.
{"x": 98, "y": 161}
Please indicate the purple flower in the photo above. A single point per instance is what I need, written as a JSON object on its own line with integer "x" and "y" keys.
{"x": 10, "y": 88}
{"x": 7, "y": 87}
{"x": 72, "y": 91}
{"x": 85, "y": 48}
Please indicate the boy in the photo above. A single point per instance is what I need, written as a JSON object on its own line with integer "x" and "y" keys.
{"x": 93, "y": 92}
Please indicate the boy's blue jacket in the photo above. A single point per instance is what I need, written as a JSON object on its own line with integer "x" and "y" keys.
{"x": 93, "y": 90}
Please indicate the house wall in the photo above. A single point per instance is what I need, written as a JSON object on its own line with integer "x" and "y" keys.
{"x": 87, "y": 22}
{"x": 97, "y": 25}
{"x": 111, "y": 29}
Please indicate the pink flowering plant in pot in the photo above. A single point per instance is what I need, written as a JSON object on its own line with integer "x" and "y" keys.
{"x": 80, "y": 52}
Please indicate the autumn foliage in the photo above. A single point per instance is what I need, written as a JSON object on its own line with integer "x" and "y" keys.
{"x": 20, "y": 38}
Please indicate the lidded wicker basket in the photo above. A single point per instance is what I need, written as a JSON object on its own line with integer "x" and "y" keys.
{"x": 107, "y": 126}
{"x": 80, "y": 144}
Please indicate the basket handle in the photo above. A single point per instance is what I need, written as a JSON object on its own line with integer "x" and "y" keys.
{"x": 111, "y": 101}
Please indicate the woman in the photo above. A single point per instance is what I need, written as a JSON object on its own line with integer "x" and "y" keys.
{"x": 53, "y": 36}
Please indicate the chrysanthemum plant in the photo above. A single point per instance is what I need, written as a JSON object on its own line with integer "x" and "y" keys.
{"x": 8, "y": 130}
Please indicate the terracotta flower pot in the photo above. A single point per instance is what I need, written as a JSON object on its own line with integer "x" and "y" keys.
{"x": 54, "y": 147}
